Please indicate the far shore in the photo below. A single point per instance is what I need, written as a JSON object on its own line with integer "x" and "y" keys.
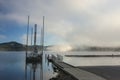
{"x": 92, "y": 55}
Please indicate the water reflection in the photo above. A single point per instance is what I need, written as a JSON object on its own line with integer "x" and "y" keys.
{"x": 34, "y": 70}
{"x": 42, "y": 70}
{"x": 13, "y": 66}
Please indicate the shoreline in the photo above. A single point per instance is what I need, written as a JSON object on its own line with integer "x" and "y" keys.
{"x": 92, "y": 55}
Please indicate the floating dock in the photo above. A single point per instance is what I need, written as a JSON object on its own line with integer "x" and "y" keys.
{"x": 75, "y": 72}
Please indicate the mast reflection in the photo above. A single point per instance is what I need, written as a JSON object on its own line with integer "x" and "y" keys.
{"x": 33, "y": 70}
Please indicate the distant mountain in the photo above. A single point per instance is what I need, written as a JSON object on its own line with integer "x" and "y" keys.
{"x": 12, "y": 46}
{"x": 15, "y": 46}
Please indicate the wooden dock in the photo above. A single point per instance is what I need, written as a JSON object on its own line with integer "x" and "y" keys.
{"x": 75, "y": 72}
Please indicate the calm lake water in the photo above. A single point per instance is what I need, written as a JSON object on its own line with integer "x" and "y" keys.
{"x": 13, "y": 66}
{"x": 93, "y": 61}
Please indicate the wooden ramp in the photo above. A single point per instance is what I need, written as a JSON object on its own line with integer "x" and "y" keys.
{"x": 77, "y": 73}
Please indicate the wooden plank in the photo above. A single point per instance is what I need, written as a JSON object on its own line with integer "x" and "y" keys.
{"x": 82, "y": 74}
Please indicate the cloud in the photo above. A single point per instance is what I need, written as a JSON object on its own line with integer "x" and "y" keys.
{"x": 2, "y": 37}
{"x": 86, "y": 22}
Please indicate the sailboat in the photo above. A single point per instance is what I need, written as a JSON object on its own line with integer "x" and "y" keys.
{"x": 34, "y": 56}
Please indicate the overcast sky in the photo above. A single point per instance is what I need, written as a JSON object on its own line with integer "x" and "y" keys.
{"x": 74, "y": 22}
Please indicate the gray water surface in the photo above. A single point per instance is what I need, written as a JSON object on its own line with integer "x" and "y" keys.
{"x": 12, "y": 67}
{"x": 12, "y": 64}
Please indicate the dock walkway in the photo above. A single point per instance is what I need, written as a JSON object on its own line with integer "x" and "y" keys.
{"x": 77, "y": 73}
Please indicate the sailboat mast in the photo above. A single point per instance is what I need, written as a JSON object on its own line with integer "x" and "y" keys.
{"x": 31, "y": 35}
{"x": 35, "y": 33}
{"x": 27, "y": 36}
{"x": 43, "y": 35}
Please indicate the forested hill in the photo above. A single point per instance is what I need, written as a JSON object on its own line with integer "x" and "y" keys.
{"x": 12, "y": 46}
